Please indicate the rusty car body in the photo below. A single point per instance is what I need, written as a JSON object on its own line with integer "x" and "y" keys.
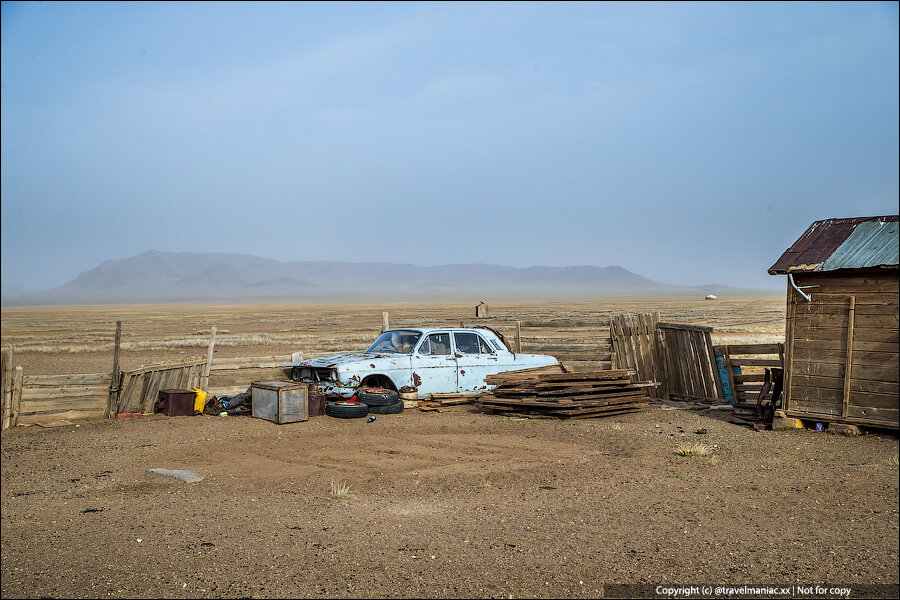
{"x": 433, "y": 360}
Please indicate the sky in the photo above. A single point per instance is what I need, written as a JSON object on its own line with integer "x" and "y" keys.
{"x": 689, "y": 143}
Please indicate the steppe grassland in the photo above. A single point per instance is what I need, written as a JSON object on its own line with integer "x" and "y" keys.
{"x": 79, "y": 339}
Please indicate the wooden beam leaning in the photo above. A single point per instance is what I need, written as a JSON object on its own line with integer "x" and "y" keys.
{"x": 720, "y": 390}
{"x": 385, "y": 323}
{"x": 845, "y": 407}
{"x": 518, "y": 337}
{"x": 112, "y": 400}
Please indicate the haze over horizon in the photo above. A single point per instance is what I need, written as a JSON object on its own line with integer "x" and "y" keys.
{"x": 774, "y": 283}
{"x": 154, "y": 277}
{"x": 687, "y": 143}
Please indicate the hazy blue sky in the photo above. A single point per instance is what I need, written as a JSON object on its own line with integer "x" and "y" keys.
{"x": 690, "y": 143}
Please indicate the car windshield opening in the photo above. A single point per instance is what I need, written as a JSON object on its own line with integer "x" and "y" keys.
{"x": 396, "y": 342}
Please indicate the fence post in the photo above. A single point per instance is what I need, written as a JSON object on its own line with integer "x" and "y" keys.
{"x": 518, "y": 337}
{"x": 17, "y": 396}
{"x": 209, "y": 354}
{"x": 111, "y": 401}
{"x": 8, "y": 373}
{"x": 384, "y": 322}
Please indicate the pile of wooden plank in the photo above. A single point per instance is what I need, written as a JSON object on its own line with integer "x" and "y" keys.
{"x": 442, "y": 402}
{"x": 578, "y": 395}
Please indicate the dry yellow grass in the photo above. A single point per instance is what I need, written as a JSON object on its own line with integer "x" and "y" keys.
{"x": 79, "y": 339}
{"x": 339, "y": 489}
{"x": 693, "y": 449}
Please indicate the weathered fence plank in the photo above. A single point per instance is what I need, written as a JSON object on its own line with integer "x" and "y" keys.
{"x": 633, "y": 341}
{"x": 691, "y": 371}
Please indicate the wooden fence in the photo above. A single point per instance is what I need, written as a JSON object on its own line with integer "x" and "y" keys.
{"x": 58, "y": 397}
{"x": 581, "y": 346}
{"x": 635, "y": 346}
{"x": 141, "y": 386}
{"x": 63, "y": 396}
{"x": 746, "y": 385}
{"x": 680, "y": 357}
{"x": 690, "y": 371}
{"x": 12, "y": 390}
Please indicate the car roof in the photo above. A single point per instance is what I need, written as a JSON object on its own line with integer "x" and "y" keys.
{"x": 427, "y": 330}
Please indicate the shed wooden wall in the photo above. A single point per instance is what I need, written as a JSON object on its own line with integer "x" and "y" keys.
{"x": 822, "y": 337}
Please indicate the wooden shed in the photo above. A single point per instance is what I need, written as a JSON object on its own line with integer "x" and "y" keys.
{"x": 841, "y": 345}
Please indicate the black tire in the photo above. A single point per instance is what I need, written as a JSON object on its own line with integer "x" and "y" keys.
{"x": 346, "y": 410}
{"x": 391, "y": 409}
{"x": 381, "y": 398}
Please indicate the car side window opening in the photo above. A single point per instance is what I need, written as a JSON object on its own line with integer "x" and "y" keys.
{"x": 396, "y": 342}
{"x": 436, "y": 344}
{"x": 471, "y": 343}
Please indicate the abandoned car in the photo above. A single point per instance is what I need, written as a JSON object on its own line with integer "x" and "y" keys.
{"x": 434, "y": 361}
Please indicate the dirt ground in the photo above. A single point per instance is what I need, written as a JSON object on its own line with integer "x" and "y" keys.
{"x": 456, "y": 504}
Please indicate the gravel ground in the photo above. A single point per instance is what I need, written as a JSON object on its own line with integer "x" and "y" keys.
{"x": 456, "y": 504}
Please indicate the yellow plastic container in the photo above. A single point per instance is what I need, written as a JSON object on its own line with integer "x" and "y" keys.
{"x": 199, "y": 400}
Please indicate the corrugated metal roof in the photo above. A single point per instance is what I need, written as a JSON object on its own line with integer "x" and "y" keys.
{"x": 871, "y": 244}
{"x": 833, "y": 244}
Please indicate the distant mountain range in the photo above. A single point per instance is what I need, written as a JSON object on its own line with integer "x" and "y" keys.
{"x": 189, "y": 277}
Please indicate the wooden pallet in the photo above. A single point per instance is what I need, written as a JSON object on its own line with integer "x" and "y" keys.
{"x": 566, "y": 395}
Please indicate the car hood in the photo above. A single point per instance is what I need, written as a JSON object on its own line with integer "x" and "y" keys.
{"x": 339, "y": 360}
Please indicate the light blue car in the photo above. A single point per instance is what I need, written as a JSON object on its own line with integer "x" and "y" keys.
{"x": 433, "y": 360}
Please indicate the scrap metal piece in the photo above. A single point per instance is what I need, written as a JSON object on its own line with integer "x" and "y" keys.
{"x": 185, "y": 476}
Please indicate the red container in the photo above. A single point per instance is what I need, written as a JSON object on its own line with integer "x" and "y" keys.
{"x": 175, "y": 403}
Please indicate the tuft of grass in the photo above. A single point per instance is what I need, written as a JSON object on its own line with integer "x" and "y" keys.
{"x": 713, "y": 460}
{"x": 616, "y": 426}
{"x": 894, "y": 461}
{"x": 693, "y": 449}
{"x": 485, "y": 484}
{"x": 339, "y": 489}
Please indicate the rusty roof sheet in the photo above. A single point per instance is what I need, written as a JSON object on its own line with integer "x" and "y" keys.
{"x": 834, "y": 244}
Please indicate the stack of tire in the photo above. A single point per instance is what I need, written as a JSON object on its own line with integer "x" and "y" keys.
{"x": 376, "y": 402}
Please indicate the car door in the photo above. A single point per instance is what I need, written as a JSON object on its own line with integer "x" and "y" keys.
{"x": 475, "y": 359}
{"x": 434, "y": 365}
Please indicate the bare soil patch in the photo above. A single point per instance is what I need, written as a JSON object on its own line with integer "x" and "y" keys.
{"x": 454, "y": 504}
